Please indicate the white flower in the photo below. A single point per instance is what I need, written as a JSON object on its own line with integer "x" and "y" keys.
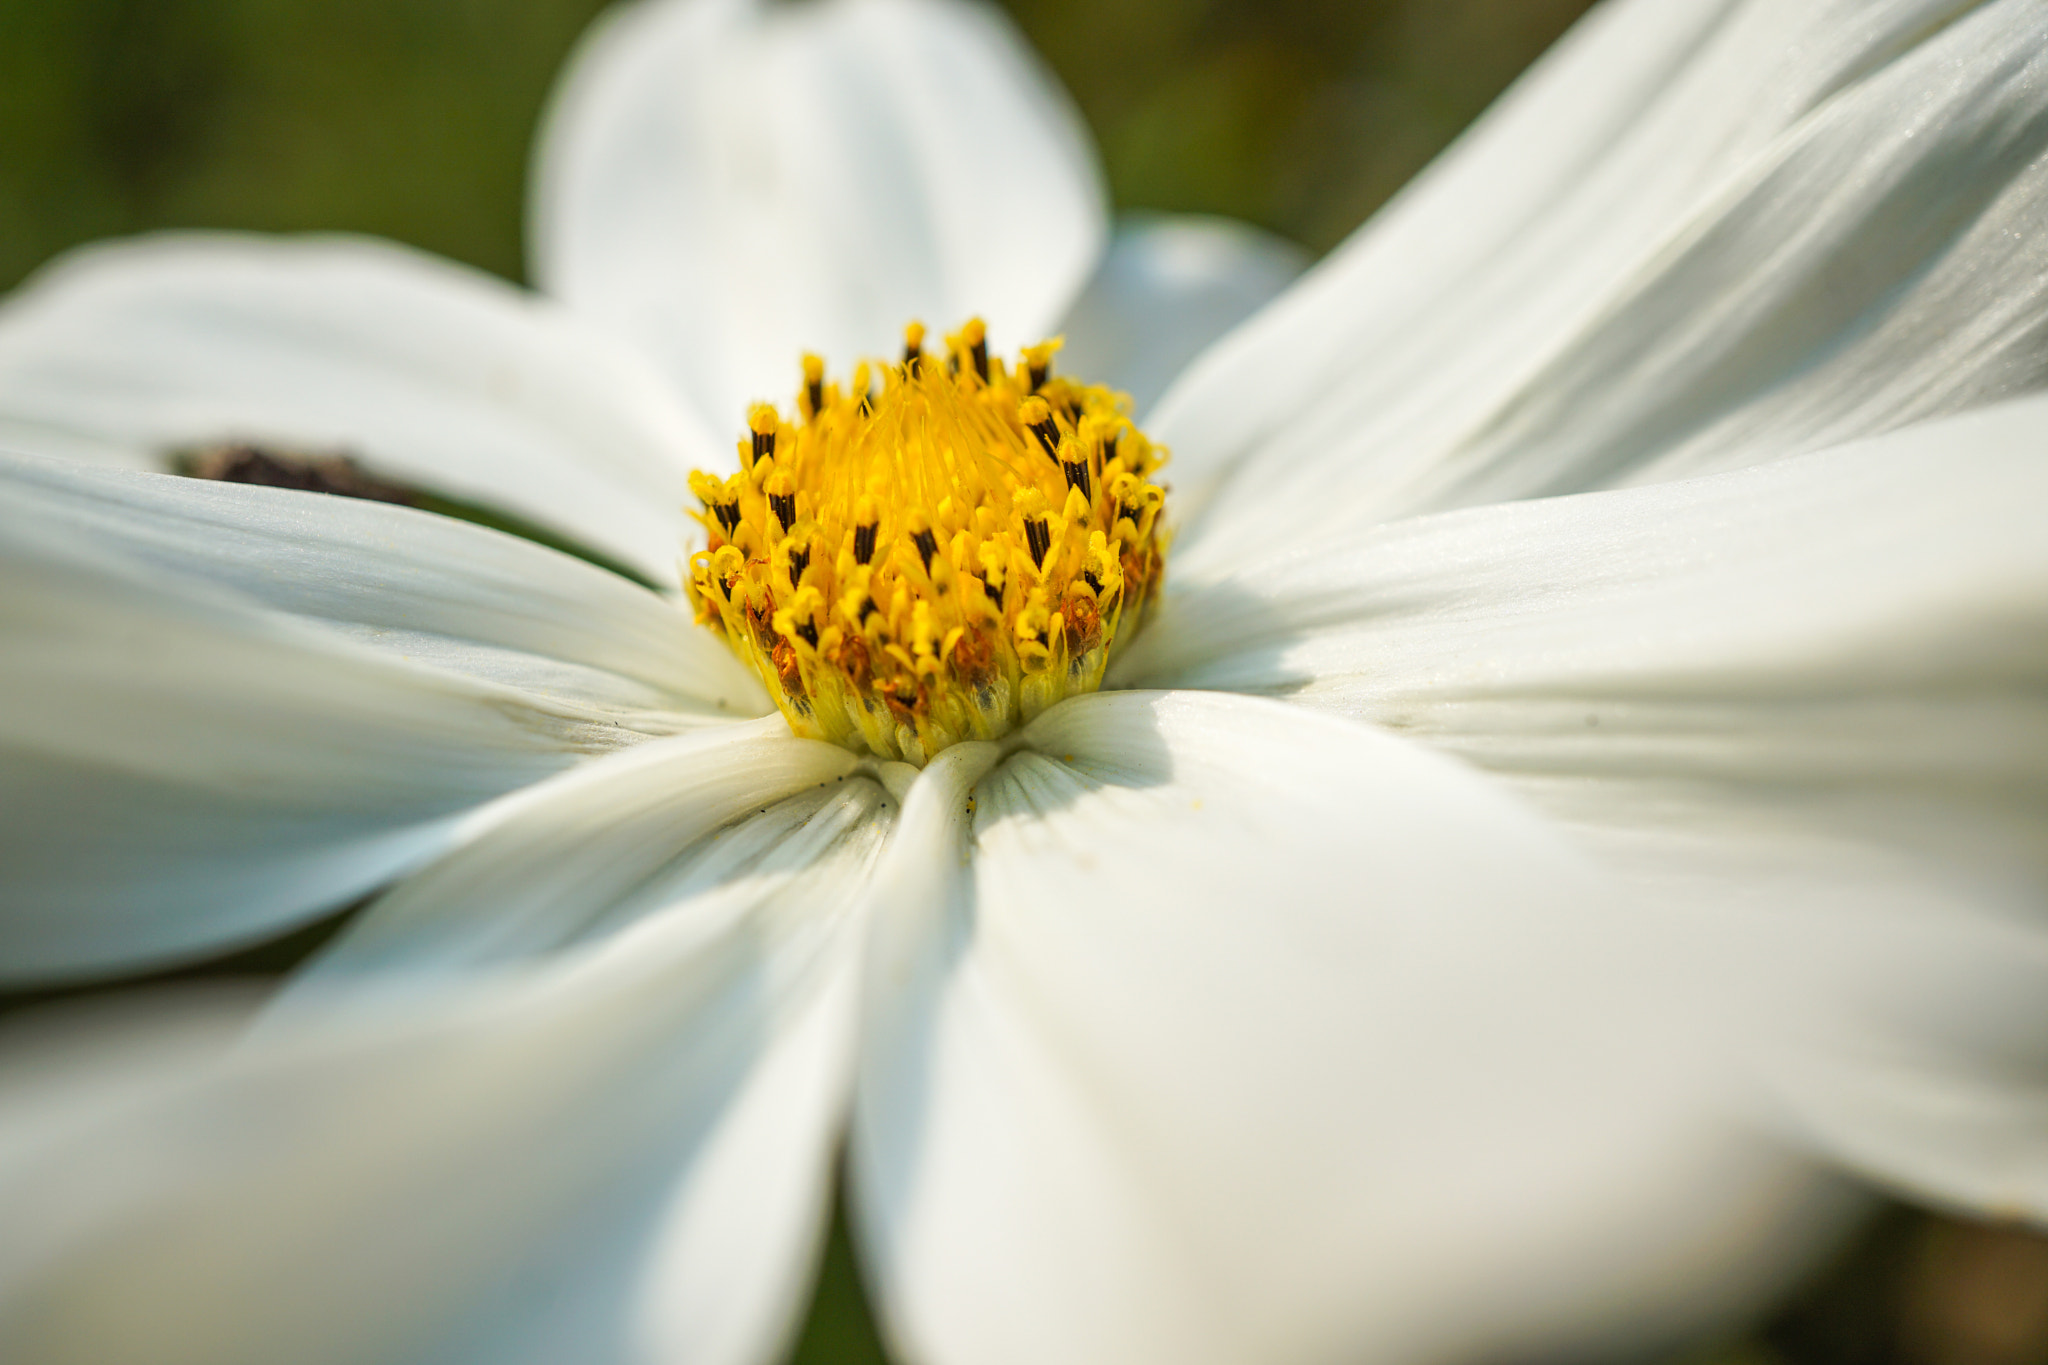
{"x": 1532, "y": 900}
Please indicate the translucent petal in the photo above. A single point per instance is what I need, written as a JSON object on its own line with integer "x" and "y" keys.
{"x": 187, "y": 768}
{"x": 429, "y": 374}
{"x": 731, "y": 183}
{"x": 1167, "y": 287}
{"x": 618, "y": 1151}
{"x": 1763, "y": 228}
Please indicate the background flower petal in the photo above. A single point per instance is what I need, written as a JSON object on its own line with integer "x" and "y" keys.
{"x": 617, "y": 1153}
{"x": 1246, "y": 1035}
{"x": 1167, "y": 287}
{"x": 1767, "y": 228}
{"x": 427, "y": 373}
{"x": 731, "y": 183}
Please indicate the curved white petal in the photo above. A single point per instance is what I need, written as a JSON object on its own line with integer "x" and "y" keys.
{"x": 731, "y": 183}
{"x": 1774, "y": 226}
{"x": 616, "y": 1153}
{"x": 1857, "y": 638}
{"x": 1969, "y": 1141}
{"x": 420, "y": 586}
{"x": 1541, "y": 144}
{"x": 187, "y": 768}
{"x": 1246, "y": 1035}
{"x": 1804, "y": 706}
{"x": 1167, "y": 287}
{"x": 434, "y": 375}
{"x": 585, "y": 854}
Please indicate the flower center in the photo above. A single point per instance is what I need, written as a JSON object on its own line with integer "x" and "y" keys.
{"x": 936, "y": 551}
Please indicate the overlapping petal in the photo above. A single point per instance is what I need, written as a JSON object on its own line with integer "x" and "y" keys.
{"x": 1198, "y": 1027}
{"x": 615, "y": 1152}
{"x": 228, "y": 709}
{"x": 1167, "y": 287}
{"x": 1854, "y": 639}
{"x": 435, "y": 376}
{"x": 421, "y": 587}
{"x": 1764, "y": 228}
{"x": 1802, "y": 708}
{"x": 1214, "y": 1030}
{"x": 720, "y": 813}
{"x": 729, "y": 183}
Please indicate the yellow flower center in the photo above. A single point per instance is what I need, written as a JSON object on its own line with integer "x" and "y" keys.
{"x": 936, "y": 551}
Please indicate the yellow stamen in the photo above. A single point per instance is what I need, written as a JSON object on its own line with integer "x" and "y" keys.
{"x": 1038, "y": 362}
{"x": 936, "y": 560}
{"x": 762, "y": 423}
{"x": 814, "y": 385}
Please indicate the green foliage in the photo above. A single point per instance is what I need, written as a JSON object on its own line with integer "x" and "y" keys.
{"x": 412, "y": 118}
{"x": 406, "y": 118}
{"x": 1302, "y": 115}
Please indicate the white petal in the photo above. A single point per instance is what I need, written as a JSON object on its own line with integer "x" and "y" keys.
{"x": 429, "y": 373}
{"x": 1165, "y": 289}
{"x": 620, "y": 1154}
{"x": 731, "y": 183}
{"x": 1896, "y": 1021}
{"x": 1804, "y": 708}
{"x": 1972, "y": 1142}
{"x": 1249, "y": 1036}
{"x": 185, "y": 768}
{"x": 1853, "y": 638}
{"x": 584, "y": 854}
{"x": 416, "y": 585}
{"x": 1372, "y": 298}
{"x": 1777, "y": 226}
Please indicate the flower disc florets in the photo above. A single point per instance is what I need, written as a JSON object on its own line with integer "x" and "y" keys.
{"x": 936, "y": 551}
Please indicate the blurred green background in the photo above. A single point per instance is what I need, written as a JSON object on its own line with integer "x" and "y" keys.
{"x": 412, "y": 118}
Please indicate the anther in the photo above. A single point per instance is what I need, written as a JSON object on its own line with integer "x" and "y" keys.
{"x": 814, "y": 384}
{"x": 925, "y": 539}
{"x": 1036, "y": 414}
{"x": 864, "y": 385}
{"x": 782, "y": 500}
{"x": 975, "y": 333}
{"x": 1038, "y": 537}
{"x": 718, "y": 499}
{"x": 762, "y": 421}
{"x": 1075, "y": 466}
{"x": 913, "y": 346}
{"x": 799, "y": 560}
{"x": 1038, "y": 361}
